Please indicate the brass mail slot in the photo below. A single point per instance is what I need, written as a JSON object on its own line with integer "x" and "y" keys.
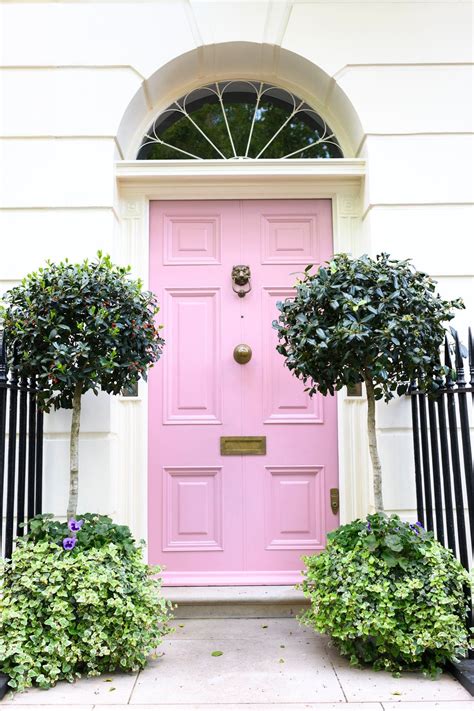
{"x": 243, "y": 445}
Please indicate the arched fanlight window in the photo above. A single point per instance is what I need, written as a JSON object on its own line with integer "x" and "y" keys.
{"x": 238, "y": 120}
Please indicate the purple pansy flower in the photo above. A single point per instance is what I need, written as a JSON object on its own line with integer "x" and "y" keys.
{"x": 69, "y": 543}
{"x": 369, "y": 527}
{"x": 74, "y": 525}
{"x": 419, "y": 525}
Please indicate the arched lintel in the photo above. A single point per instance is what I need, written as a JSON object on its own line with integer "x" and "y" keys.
{"x": 239, "y": 60}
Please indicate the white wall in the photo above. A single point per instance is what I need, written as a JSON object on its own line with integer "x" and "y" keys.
{"x": 70, "y": 70}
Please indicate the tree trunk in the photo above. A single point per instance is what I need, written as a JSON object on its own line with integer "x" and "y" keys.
{"x": 74, "y": 453}
{"x": 374, "y": 453}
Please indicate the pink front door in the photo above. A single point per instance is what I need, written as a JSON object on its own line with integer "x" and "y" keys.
{"x": 230, "y": 519}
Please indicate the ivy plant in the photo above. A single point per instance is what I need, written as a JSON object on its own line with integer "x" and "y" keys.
{"x": 389, "y": 595}
{"x": 377, "y": 321}
{"x": 77, "y": 599}
{"x": 81, "y": 327}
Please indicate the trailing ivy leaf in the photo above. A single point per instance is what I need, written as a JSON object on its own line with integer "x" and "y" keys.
{"x": 89, "y": 611}
{"x": 390, "y": 559}
{"x": 394, "y": 610}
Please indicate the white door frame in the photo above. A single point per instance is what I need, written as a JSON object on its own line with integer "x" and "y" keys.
{"x": 138, "y": 182}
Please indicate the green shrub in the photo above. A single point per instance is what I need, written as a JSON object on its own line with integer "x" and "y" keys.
{"x": 83, "y": 608}
{"x": 389, "y": 595}
{"x": 94, "y": 531}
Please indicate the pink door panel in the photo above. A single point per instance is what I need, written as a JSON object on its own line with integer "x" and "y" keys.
{"x": 234, "y": 519}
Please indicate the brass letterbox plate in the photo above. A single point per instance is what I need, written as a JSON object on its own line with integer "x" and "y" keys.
{"x": 243, "y": 445}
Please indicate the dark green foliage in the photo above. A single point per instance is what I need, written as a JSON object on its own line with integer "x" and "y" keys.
{"x": 364, "y": 319}
{"x": 65, "y": 614}
{"x": 96, "y": 532}
{"x": 389, "y": 595}
{"x": 85, "y": 323}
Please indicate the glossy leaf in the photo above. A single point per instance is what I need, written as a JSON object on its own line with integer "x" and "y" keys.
{"x": 376, "y": 319}
{"x": 87, "y": 323}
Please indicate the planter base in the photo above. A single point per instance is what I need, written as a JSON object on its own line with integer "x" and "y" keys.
{"x": 3, "y": 685}
{"x": 463, "y": 671}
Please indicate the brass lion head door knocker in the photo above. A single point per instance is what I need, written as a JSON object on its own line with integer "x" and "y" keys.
{"x": 241, "y": 279}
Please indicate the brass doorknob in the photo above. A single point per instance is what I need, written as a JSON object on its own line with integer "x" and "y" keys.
{"x": 242, "y": 353}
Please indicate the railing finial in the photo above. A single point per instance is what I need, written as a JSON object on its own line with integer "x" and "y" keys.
{"x": 448, "y": 363}
{"x": 459, "y": 353}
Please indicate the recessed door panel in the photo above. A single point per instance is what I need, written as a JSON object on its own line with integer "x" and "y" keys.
{"x": 193, "y": 392}
{"x": 294, "y": 514}
{"x": 289, "y": 239}
{"x": 192, "y": 509}
{"x": 191, "y": 240}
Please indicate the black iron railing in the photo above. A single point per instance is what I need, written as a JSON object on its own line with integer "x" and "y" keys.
{"x": 21, "y": 452}
{"x": 444, "y": 474}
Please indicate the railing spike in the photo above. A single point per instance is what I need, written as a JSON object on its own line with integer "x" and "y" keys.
{"x": 458, "y": 355}
{"x": 448, "y": 363}
{"x": 3, "y": 358}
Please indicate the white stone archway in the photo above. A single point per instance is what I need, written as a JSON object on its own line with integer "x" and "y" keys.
{"x": 138, "y": 182}
{"x": 239, "y": 60}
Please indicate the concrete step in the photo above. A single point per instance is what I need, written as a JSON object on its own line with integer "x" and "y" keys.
{"x": 236, "y": 601}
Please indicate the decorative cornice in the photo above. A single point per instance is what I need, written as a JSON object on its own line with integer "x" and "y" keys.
{"x": 148, "y": 172}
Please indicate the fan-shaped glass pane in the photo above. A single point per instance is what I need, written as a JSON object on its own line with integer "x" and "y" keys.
{"x": 239, "y": 120}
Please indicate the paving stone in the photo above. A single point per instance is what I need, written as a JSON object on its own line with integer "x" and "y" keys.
{"x": 248, "y": 671}
{"x": 61, "y": 707}
{"x": 250, "y": 676}
{"x": 245, "y": 707}
{"x": 429, "y": 705}
{"x": 368, "y": 685}
{"x": 83, "y": 691}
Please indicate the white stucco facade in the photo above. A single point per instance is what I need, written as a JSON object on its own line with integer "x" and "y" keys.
{"x": 81, "y": 81}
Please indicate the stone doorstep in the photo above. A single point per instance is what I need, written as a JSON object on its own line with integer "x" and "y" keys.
{"x": 228, "y": 601}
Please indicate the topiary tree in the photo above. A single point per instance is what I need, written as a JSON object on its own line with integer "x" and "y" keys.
{"x": 376, "y": 321}
{"x": 81, "y": 327}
